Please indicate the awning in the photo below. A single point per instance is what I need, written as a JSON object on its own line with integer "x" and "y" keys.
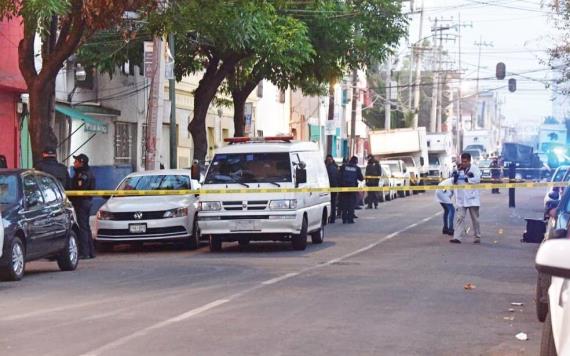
{"x": 91, "y": 124}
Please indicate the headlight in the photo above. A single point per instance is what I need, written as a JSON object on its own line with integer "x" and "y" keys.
{"x": 176, "y": 213}
{"x": 286, "y": 204}
{"x": 210, "y": 206}
{"x": 104, "y": 215}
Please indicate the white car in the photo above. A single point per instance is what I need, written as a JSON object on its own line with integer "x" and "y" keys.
{"x": 265, "y": 163}
{"x": 399, "y": 173}
{"x": 553, "y": 258}
{"x": 169, "y": 218}
{"x": 389, "y": 181}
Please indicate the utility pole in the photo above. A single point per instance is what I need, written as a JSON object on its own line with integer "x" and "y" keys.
{"x": 388, "y": 102}
{"x": 353, "y": 116}
{"x": 435, "y": 87}
{"x": 330, "y": 119}
{"x": 458, "y": 126}
{"x": 154, "y": 112}
{"x": 172, "y": 97}
{"x": 479, "y": 44}
{"x": 418, "y": 81}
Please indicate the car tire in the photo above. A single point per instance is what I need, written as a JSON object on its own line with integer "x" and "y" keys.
{"x": 193, "y": 241}
{"x": 547, "y": 346}
{"x": 389, "y": 196}
{"x": 299, "y": 241}
{"x": 318, "y": 236}
{"x": 14, "y": 271}
{"x": 69, "y": 257}
{"x": 381, "y": 196}
{"x": 401, "y": 194}
{"x": 215, "y": 243}
{"x": 542, "y": 285}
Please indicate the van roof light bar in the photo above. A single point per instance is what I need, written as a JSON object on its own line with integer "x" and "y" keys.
{"x": 234, "y": 140}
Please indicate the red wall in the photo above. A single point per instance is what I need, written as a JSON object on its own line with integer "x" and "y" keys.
{"x": 11, "y": 85}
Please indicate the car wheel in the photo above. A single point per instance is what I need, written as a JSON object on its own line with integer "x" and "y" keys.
{"x": 389, "y": 196}
{"x": 542, "y": 285}
{"x": 299, "y": 241}
{"x": 318, "y": 236}
{"x": 401, "y": 193}
{"x": 381, "y": 196}
{"x": 69, "y": 257}
{"x": 215, "y": 243}
{"x": 193, "y": 241}
{"x": 16, "y": 256}
{"x": 547, "y": 346}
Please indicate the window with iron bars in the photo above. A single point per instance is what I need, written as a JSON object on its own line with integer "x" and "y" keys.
{"x": 125, "y": 136}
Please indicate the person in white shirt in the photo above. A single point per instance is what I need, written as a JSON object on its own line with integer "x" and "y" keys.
{"x": 444, "y": 198}
{"x": 466, "y": 200}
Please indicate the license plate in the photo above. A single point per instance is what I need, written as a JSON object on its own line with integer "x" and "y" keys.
{"x": 244, "y": 225}
{"x": 137, "y": 228}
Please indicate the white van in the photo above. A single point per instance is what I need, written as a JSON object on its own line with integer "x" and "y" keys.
{"x": 270, "y": 162}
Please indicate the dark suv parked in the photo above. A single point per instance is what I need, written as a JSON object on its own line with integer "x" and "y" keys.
{"x": 38, "y": 222}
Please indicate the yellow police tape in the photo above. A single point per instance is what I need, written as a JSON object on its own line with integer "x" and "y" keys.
{"x": 482, "y": 186}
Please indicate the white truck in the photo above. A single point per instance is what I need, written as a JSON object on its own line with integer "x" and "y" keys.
{"x": 440, "y": 156}
{"x": 408, "y": 145}
{"x": 477, "y": 140}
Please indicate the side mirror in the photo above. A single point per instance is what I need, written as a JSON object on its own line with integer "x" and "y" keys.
{"x": 301, "y": 176}
{"x": 559, "y": 233}
{"x": 552, "y": 258}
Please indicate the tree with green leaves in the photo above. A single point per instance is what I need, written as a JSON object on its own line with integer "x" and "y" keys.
{"x": 62, "y": 25}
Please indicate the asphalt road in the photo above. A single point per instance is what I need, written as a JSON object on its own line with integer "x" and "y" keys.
{"x": 389, "y": 285}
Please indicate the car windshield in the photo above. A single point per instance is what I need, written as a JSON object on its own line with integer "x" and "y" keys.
{"x": 433, "y": 160}
{"x": 156, "y": 182}
{"x": 249, "y": 168}
{"x": 394, "y": 167}
{"x": 486, "y": 163}
{"x": 8, "y": 189}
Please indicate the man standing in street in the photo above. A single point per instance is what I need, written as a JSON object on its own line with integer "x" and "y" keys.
{"x": 350, "y": 175}
{"x": 495, "y": 174}
{"x": 50, "y": 165}
{"x": 467, "y": 200}
{"x": 332, "y": 171}
{"x": 83, "y": 179}
{"x": 373, "y": 169}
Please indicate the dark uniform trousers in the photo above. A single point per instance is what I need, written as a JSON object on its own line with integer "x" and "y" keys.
{"x": 82, "y": 208}
{"x": 349, "y": 178}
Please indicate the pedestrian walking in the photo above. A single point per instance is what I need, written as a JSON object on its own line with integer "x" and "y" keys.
{"x": 350, "y": 174}
{"x": 83, "y": 179}
{"x": 495, "y": 174}
{"x": 332, "y": 171}
{"x": 50, "y": 165}
{"x": 467, "y": 200}
{"x": 373, "y": 170}
{"x": 445, "y": 198}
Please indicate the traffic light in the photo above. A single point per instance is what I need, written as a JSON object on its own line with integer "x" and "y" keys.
{"x": 501, "y": 71}
{"x": 512, "y": 85}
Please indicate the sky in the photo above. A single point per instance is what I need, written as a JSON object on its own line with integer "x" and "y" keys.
{"x": 520, "y": 33}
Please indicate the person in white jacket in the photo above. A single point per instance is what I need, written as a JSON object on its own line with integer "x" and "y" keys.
{"x": 467, "y": 200}
{"x": 444, "y": 197}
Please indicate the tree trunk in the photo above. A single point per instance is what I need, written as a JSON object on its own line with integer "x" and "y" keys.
{"x": 239, "y": 115}
{"x": 204, "y": 94}
{"x": 41, "y": 134}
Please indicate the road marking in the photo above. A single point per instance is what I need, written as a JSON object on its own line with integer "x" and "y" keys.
{"x": 194, "y": 312}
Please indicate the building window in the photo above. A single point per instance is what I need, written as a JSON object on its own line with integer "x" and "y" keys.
{"x": 125, "y": 136}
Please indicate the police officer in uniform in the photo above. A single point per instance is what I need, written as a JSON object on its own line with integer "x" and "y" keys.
{"x": 373, "y": 169}
{"x": 50, "y": 165}
{"x": 350, "y": 174}
{"x": 83, "y": 179}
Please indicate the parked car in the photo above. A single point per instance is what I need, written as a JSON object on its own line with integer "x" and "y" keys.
{"x": 389, "y": 181}
{"x": 400, "y": 174}
{"x": 561, "y": 174}
{"x": 476, "y": 154}
{"x": 485, "y": 167}
{"x": 37, "y": 222}
{"x": 479, "y": 147}
{"x": 553, "y": 259}
{"x": 277, "y": 216}
{"x": 161, "y": 218}
{"x": 557, "y": 215}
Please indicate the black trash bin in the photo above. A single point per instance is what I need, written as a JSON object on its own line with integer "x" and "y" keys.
{"x": 535, "y": 230}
